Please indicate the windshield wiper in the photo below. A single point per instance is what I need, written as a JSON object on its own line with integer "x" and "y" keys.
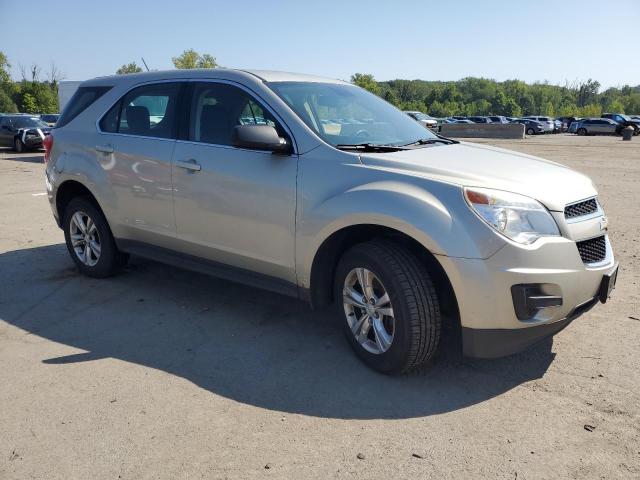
{"x": 431, "y": 141}
{"x": 370, "y": 147}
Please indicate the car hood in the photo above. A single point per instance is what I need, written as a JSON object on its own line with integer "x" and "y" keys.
{"x": 474, "y": 165}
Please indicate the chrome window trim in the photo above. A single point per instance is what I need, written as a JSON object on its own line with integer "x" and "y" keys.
{"x": 246, "y": 89}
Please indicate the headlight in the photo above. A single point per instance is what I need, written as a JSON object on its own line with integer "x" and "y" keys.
{"x": 520, "y": 218}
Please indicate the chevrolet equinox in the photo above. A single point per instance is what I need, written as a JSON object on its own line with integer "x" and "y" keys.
{"x": 318, "y": 189}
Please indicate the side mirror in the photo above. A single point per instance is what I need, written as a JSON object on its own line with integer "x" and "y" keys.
{"x": 260, "y": 137}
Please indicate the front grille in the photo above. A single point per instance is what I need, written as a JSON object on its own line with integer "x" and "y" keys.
{"x": 581, "y": 208}
{"x": 592, "y": 250}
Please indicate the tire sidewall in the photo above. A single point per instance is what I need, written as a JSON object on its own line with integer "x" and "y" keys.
{"x": 395, "y": 358}
{"x": 18, "y": 146}
{"x": 108, "y": 252}
{"x": 530, "y": 131}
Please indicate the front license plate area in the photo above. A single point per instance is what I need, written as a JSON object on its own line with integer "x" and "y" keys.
{"x": 607, "y": 285}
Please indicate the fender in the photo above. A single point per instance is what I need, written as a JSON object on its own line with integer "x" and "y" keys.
{"x": 437, "y": 217}
{"x": 82, "y": 166}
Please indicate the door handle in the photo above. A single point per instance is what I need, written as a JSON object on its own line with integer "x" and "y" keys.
{"x": 189, "y": 165}
{"x": 104, "y": 148}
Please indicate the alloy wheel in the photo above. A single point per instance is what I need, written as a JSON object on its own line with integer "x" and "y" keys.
{"x": 85, "y": 238}
{"x": 368, "y": 310}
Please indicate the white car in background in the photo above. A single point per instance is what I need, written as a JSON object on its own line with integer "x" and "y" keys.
{"x": 423, "y": 119}
{"x": 548, "y": 123}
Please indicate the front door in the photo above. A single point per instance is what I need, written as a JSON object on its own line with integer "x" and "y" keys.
{"x": 233, "y": 205}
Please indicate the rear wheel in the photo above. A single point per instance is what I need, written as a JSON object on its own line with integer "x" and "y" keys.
{"x": 582, "y": 131}
{"x": 89, "y": 239}
{"x": 390, "y": 307}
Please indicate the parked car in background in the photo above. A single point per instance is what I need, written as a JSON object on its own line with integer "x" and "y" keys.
{"x": 423, "y": 119}
{"x": 531, "y": 127}
{"x": 547, "y": 122}
{"x": 623, "y": 121}
{"x": 22, "y": 132}
{"x": 478, "y": 119}
{"x": 597, "y": 126}
{"x": 573, "y": 126}
{"x": 559, "y": 126}
{"x": 50, "y": 118}
{"x": 498, "y": 119}
{"x": 635, "y": 117}
{"x": 505, "y": 248}
{"x": 568, "y": 120}
{"x": 462, "y": 120}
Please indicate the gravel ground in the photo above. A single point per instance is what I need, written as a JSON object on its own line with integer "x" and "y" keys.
{"x": 163, "y": 373}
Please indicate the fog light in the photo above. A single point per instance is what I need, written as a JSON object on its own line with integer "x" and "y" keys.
{"x": 530, "y": 298}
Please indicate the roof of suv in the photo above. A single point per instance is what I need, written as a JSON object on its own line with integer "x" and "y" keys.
{"x": 225, "y": 73}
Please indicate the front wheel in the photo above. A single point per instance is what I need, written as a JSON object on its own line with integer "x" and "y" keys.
{"x": 531, "y": 131}
{"x": 18, "y": 146}
{"x": 89, "y": 239}
{"x": 582, "y": 131}
{"x": 389, "y": 305}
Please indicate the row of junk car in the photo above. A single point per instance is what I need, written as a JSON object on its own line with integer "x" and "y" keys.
{"x": 607, "y": 124}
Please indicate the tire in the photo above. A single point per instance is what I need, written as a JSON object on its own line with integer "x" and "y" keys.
{"x": 415, "y": 324}
{"x": 582, "y": 131}
{"x": 18, "y": 146}
{"x": 101, "y": 262}
{"x": 530, "y": 131}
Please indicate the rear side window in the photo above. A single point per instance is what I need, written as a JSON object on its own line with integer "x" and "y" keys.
{"x": 148, "y": 111}
{"x": 80, "y": 101}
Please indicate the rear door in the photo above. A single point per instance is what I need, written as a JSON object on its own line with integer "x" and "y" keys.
{"x": 135, "y": 148}
{"x": 234, "y": 206}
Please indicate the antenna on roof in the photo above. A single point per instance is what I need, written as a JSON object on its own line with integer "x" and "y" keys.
{"x": 145, "y": 64}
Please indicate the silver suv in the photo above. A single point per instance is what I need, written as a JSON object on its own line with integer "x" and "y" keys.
{"x": 318, "y": 189}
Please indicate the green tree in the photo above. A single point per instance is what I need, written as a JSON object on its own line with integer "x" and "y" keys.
{"x": 366, "y": 81}
{"x": 7, "y": 105}
{"x": 129, "y": 68}
{"x": 192, "y": 59}
{"x": 4, "y": 69}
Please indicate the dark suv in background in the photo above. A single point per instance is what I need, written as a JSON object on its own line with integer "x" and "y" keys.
{"x": 623, "y": 121}
{"x": 22, "y": 132}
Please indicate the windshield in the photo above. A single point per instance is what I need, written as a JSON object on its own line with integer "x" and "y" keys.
{"x": 347, "y": 115}
{"x": 28, "y": 122}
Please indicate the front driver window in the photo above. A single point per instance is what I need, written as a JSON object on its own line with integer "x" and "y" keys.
{"x": 217, "y": 108}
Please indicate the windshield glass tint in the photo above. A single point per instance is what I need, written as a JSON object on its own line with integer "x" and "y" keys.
{"x": 347, "y": 115}
{"x": 28, "y": 122}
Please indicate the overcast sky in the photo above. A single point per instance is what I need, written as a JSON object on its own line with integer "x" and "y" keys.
{"x": 537, "y": 40}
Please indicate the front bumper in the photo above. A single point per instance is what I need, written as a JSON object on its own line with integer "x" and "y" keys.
{"x": 490, "y": 326}
{"x": 33, "y": 142}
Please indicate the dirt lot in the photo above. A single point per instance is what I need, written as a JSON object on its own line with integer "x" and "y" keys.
{"x": 162, "y": 373}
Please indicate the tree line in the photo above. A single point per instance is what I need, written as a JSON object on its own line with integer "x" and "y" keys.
{"x": 37, "y": 92}
{"x": 511, "y": 98}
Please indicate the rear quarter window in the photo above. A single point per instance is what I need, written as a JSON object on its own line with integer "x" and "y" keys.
{"x": 81, "y": 100}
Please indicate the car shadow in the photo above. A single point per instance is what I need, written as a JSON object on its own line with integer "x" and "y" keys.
{"x": 28, "y": 157}
{"x": 245, "y": 344}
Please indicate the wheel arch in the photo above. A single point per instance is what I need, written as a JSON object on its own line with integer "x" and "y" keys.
{"x": 70, "y": 189}
{"x": 331, "y": 250}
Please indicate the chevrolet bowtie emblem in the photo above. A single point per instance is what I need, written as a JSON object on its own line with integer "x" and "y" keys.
{"x": 604, "y": 223}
